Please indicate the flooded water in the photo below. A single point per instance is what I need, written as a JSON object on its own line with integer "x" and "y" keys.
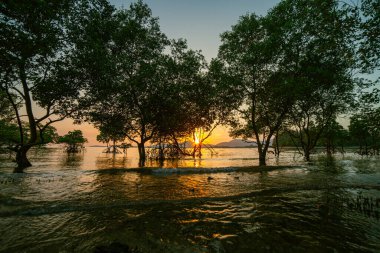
{"x": 95, "y": 202}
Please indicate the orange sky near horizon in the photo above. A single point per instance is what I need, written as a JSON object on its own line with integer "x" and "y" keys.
{"x": 220, "y": 134}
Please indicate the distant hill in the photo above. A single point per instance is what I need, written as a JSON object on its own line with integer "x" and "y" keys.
{"x": 235, "y": 144}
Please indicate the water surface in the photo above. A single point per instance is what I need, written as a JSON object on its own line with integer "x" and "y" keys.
{"x": 220, "y": 203}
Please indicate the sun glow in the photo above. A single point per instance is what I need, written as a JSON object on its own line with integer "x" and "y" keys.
{"x": 197, "y": 136}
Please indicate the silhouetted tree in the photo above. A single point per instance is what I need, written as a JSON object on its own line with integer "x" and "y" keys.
{"x": 254, "y": 54}
{"x": 293, "y": 64}
{"x": 111, "y": 132}
{"x": 319, "y": 38}
{"x": 334, "y": 137}
{"x": 129, "y": 47}
{"x": 9, "y": 134}
{"x": 153, "y": 89}
{"x": 369, "y": 33}
{"x": 187, "y": 101}
{"x": 364, "y": 129}
{"x": 36, "y": 67}
{"x": 73, "y": 140}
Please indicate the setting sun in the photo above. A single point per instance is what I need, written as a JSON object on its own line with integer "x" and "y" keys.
{"x": 189, "y": 126}
{"x": 197, "y": 136}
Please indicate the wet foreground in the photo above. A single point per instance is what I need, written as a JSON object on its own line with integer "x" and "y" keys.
{"x": 98, "y": 203}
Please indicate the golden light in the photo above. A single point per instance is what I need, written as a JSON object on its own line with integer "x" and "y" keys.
{"x": 197, "y": 136}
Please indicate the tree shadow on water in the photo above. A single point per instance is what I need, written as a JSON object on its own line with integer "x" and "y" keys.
{"x": 72, "y": 160}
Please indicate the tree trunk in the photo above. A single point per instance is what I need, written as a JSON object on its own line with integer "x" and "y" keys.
{"x": 307, "y": 154}
{"x": 142, "y": 155}
{"x": 22, "y": 160}
{"x": 161, "y": 155}
{"x": 262, "y": 156}
{"x": 262, "y": 159}
{"x": 28, "y": 106}
{"x": 330, "y": 147}
{"x": 277, "y": 149}
{"x": 277, "y": 145}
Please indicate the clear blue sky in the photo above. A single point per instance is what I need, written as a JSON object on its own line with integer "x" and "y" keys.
{"x": 201, "y": 22}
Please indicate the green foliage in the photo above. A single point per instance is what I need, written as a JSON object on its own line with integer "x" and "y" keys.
{"x": 252, "y": 53}
{"x": 9, "y": 135}
{"x": 36, "y": 66}
{"x": 122, "y": 70}
{"x": 369, "y": 33}
{"x": 364, "y": 130}
{"x": 335, "y": 138}
{"x": 32, "y": 45}
{"x": 287, "y": 75}
{"x": 111, "y": 131}
{"x": 103, "y": 138}
{"x": 143, "y": 86}
{"x": 286, "y": 139}
{"x": 186, "y": 98}
{"x": 9, "y": 132}
{"x": 74, "y": 141}
{"x": 291, "y": 65}
{"x": 49, "y": 135}
{"x": 294, "y": 69}
{"x": 322, "y": 56}
{"x": 6, "y": 109}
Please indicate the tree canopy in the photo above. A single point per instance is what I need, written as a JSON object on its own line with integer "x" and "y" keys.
{"x": 35, "y": 67}
{"x": 74, "y": 141}
{"x": 291, "y": 72}
{"x": 293, "y": 67}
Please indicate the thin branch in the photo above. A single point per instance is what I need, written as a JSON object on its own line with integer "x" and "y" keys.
{"x": 53, "y": 121}
{"x": 21, "y": 130}
{"x": 131, "y": 139}
{"x": 48, "y": 114}
{"x": 19, "y": 92}
{"x": 210, "y": 132}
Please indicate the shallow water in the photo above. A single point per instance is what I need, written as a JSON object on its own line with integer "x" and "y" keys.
{"x": 220, "y": 203}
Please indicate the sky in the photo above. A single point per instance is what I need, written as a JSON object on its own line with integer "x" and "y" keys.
{"x": 200, "y": 22}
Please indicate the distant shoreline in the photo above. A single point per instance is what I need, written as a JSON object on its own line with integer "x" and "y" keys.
{"x": 99, "y": 146}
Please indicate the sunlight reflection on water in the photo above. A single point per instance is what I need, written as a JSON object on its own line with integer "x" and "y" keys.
{"x": 214, "y": 204}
